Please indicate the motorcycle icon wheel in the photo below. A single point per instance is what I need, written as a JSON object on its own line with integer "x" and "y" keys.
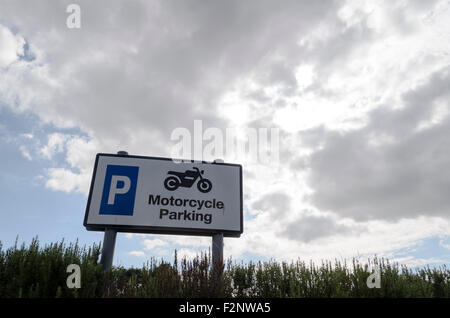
{"x": 204, "y": 185}
{"x": 171, "y": 183}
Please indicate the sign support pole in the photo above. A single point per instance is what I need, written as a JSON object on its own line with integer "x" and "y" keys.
{"x": 109, "y": 240}
{"x": 217, "y": 248}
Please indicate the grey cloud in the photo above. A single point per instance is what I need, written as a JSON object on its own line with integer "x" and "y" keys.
{"x": 311, "y": 227}
{"x": 346, "y": 43}
{"x": 277, "y": 203}
{"x": 137, "y": 70}
{"x": 258, "y": 96}
{"x": 401, "y": 173}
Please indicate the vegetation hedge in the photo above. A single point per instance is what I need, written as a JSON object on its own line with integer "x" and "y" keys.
{"x": 36, "y": 271}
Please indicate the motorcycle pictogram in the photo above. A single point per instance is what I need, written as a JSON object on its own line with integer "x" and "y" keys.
{"x": 187, "y": 179}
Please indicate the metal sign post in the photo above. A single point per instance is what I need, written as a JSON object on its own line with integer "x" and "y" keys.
{"x": 217, "y": 248}
{"x": 109, "y": 240}
{"x": 109, "y": 243}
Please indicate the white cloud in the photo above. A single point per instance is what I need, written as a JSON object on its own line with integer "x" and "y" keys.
{"x": 137, "y": 253}
{"x": 25, "y": 152}
{"x": 444, "y": 245}
{"x": 414, "y": 262}
{"x": 152, "y": 244}
{"x": 11, "y": 47}
{"x": 188, "y": 253}
{"x": 79, "y": 153}
{"x": 66, "y": 180}
{"x": 28, "y": 136}
{"x": 55, "y": 144}
{"x": 379, "y": 237}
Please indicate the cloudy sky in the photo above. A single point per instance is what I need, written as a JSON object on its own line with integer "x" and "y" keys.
{"x": 360, "y": 93}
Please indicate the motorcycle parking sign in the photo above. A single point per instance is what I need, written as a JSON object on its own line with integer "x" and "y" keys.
{"x": 163, "y": 196}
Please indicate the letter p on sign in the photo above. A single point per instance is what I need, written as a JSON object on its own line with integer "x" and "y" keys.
{"x": 114, "y": 187}
{"x": 119, "y": 190}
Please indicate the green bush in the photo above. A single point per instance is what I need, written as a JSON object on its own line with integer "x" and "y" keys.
{"x": 35, "y": 271}
{"x": 32, "y": 271}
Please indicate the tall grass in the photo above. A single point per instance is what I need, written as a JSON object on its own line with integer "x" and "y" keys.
{"x": 40, "y": 271}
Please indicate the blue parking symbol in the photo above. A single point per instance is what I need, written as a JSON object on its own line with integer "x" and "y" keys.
{"x": 119, "y": 190}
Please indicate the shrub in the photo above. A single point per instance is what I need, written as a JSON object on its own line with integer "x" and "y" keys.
{"x": 35, "y": 271}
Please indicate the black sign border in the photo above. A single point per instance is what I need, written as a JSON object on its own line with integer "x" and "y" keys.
{"x": 159, "y": 229}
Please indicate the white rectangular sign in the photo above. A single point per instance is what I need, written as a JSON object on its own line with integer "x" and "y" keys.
{"x": 158, "y": 195}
